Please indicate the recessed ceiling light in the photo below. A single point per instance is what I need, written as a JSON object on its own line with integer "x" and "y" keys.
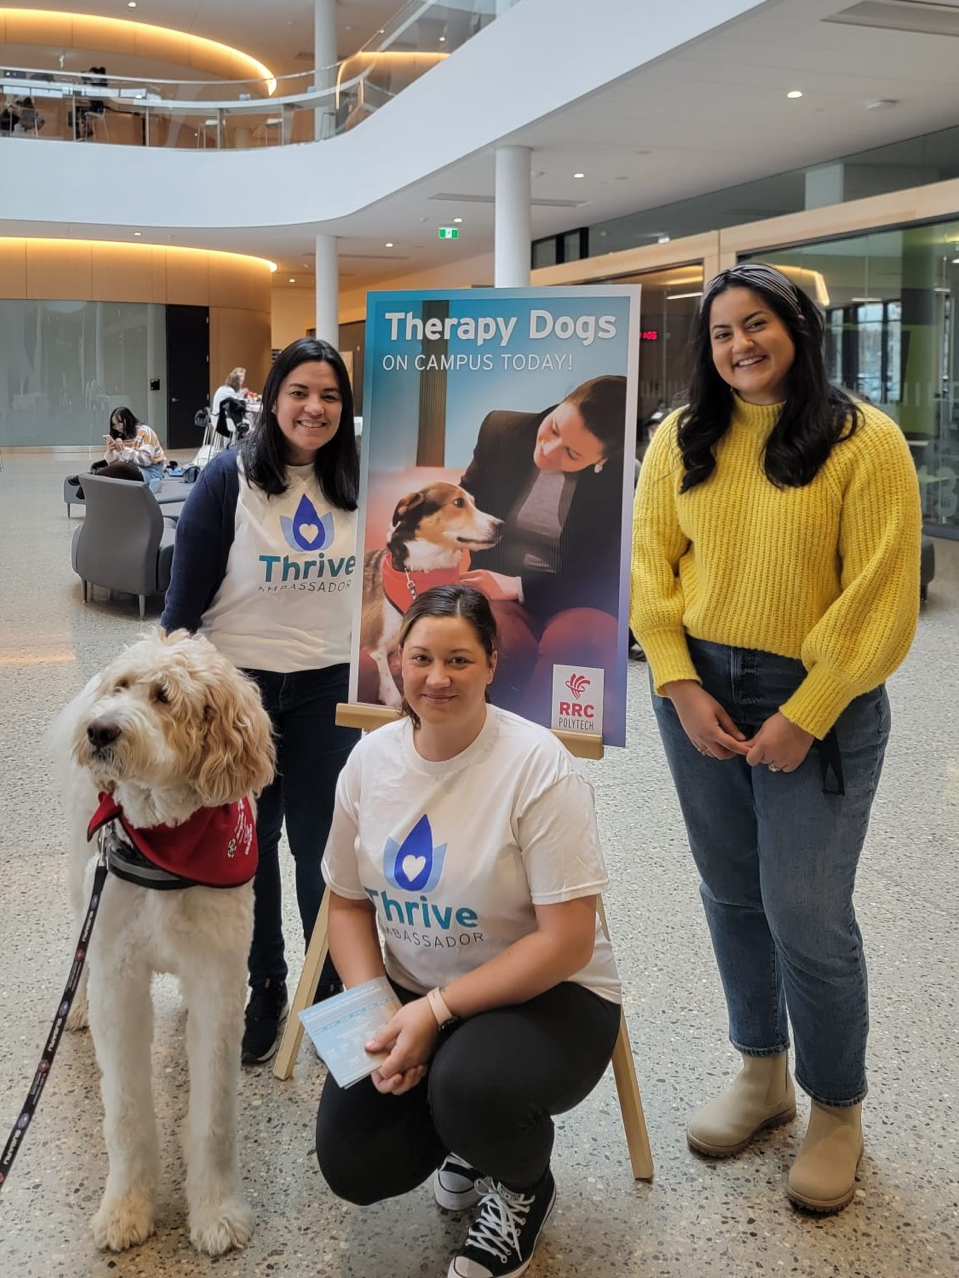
{"x": 794, "y": 93}
{"x": 137, "y": 233}
{"x": 292, "y": 280}
{"x": 131, "y": 4}
{"x": 388, "y": 244}
{"x": 955, "y": 261}
{"x": 457, "y": 219}
{"x": 579, "y": 175}
{"x": 662, "y": 239}
{"x": 442, "y": 39}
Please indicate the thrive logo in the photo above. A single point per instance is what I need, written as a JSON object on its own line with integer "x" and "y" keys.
{"x": 577, "y": 684}
{"x": 307, "y": 530}
{"x": 414, "y": 865}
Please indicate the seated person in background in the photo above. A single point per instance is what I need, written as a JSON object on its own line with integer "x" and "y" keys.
{"x": 511, "y": 1009}
{"x": 118, "y": 470}
{"x": 31, "y": 121}
{"x": 9, "y": 118}
{"x": 133, "y": 441}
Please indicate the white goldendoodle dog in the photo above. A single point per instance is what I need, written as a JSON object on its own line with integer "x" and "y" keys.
{"x": 166, "y": 748}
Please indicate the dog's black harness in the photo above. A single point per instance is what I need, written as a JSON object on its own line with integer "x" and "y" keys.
{"x": 127, "y": 862}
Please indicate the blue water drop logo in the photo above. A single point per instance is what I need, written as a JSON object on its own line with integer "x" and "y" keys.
{"x": 307, "y": 530}
{"x": 415, "y": 864}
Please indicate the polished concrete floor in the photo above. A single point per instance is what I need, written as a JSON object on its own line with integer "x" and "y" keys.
{"x": 697, "y": 1219}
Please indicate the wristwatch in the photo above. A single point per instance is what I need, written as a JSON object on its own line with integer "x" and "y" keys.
{"x": 444, "y": 1017}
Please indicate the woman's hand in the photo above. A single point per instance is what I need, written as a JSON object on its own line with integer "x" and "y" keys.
{"x": 704, "y": 720}
{"x": 113, "y": 445}
{"x": 410, "y": 1038}
{"x": 494, "y": 585}
{"x": 780, "y": 744}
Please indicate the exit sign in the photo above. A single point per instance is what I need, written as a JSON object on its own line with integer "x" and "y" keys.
{"x": 449, "y": 232}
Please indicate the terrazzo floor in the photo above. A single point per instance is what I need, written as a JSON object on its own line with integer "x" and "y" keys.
{"x": 697, "y": 1219}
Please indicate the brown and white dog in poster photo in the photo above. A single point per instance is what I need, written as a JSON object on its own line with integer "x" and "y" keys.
{"x": 428, "y": 543}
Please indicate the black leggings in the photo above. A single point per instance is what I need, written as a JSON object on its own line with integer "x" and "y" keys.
{"x": 493, "y": 1083}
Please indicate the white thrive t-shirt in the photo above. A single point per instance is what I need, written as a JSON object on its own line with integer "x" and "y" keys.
{"x": 286, "y": 600}
{"x": 454, "y": 855}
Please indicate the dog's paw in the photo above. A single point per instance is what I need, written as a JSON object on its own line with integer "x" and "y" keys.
{"x": 221, "y": 1226}
{"x": 123, "y": 1222}
{"x": 79, "y": 1017}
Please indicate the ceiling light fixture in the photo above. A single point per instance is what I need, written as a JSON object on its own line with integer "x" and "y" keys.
{"x": 662, "y": 239}
{"x": 131, "y": 4}
{"x": 457, "y": 219}
{"x": 579, "y": 175}
{"x": 794, "y": 93}
{"x": 674, "y": 297}
{"x": 388, "y": 244}
{"x": 136, "y": 234}
{"x": 955, "y": 261}
{"x": 292, "y": 280}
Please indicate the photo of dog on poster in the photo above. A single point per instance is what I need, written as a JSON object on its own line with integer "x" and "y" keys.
{"x": 499, "y": 443}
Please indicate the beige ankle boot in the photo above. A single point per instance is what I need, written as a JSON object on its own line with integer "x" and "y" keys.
{"x": 761, "y": 1095}
{"x": 823, "y": 1177}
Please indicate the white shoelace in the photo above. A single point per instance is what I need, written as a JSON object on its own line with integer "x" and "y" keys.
{"x": 496, "y": 1228}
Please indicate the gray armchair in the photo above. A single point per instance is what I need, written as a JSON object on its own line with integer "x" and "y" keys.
{"x": 124, "y": 543}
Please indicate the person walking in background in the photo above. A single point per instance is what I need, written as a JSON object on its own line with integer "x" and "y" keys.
{"x": 510, "y": 1012}
{"x": 264, "y": 568}
{"x": 228, "y": 408}
{"x": 133, "y": 441}
{"x": 775, "y": 587}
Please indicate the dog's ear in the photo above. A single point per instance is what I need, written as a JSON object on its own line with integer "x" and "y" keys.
{"x": 237, "y": 755}
{"x": 406, "y": 504}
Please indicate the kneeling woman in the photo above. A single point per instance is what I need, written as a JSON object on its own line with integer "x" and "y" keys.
{"x": 466, "y": 840}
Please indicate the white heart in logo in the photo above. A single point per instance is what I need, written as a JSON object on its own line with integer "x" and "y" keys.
{"x": 308, "y": 531}
{"x": 413, "y": 866}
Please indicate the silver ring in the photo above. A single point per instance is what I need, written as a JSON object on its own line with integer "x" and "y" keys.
{"x": 772, "y": 768}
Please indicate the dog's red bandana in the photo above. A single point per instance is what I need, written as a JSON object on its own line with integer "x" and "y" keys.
{"x": 215, "y": 847}
{"x": 397, "y": 582}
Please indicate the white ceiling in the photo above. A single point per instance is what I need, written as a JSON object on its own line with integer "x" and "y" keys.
{"x": 709, "y": 115}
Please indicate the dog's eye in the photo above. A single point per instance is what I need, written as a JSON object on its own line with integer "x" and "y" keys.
{"x": 121, "y": 685}
{"x": 159, "y": 693}
{"x": 458, "y": 501}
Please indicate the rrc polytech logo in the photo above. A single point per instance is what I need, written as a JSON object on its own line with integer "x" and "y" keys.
{"x": 578, "y": 698}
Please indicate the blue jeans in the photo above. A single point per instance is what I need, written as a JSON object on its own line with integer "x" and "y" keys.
{"x": 310, "y": 751}
{"x": 778, "y": 858}
{"x": 151, "y": 472}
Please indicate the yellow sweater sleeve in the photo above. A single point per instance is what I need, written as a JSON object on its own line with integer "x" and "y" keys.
{"x": 865, "y": 634}
{"x": 656, "y": 595}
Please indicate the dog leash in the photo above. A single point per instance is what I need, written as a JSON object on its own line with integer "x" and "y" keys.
{"x": 15, "y": 1140}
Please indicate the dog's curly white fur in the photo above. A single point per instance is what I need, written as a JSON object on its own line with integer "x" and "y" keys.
{"x": 190, "y": 732}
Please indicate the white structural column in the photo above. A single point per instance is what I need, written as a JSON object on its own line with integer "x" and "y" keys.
{"x": 512, "y": 237}
{"x": 327, "y": 290}
{"x": 324, "y": 62}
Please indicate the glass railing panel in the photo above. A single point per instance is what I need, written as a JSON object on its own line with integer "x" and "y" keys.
{"x": 133, "y": 111}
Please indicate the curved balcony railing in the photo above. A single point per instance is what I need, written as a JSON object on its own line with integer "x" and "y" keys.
{"x": 38, "y": 102}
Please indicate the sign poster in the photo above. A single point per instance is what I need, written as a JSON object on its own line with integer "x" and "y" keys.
{"x": 499, "y": 430}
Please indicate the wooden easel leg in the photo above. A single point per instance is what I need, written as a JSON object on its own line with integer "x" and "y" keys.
{"x": 631, "y": 1105}
{"x": 305, "y": 991}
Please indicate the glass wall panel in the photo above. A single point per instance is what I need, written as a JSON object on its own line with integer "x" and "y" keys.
{"x": 65, "y": 365}
{"x": 891, "y": 337}
{"x": 667, "y": 310}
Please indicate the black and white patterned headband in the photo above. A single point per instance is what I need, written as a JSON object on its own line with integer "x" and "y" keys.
{"x": 754, "y": 275}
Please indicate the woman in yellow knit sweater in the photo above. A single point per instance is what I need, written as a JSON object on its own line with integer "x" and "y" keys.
{"x": 775, "y": 587}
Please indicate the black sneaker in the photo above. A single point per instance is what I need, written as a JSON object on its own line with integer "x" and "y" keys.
{"x": 503, "y": 1237}
{"x": 265, "y": 1013}
{"x": 455, "y": 1184}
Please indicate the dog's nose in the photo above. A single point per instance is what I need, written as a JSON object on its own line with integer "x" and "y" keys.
{"x": 101, "y": 732}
